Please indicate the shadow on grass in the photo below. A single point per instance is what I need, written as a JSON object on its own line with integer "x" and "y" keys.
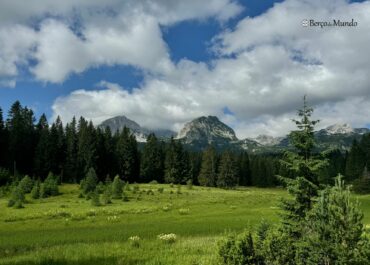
{"x": 88, "y": 261}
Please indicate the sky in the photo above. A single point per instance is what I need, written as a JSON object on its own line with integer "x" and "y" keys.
{"x": 163, "y": 63}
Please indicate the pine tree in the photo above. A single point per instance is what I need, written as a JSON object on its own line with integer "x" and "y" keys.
{"x": 355, "y": 162}
{"x": 208, "y": 171}
{"x": 128, "y": 156}
{"x": 26, "y": 184}
{"x": 244, "y": 169}
{"x": 3, "y": 142}
{"x": 152, "y": 160}
{"x": 228, "y": 171}
{"x": 86, "y": 149}
{"x": 177, "y": 168}
{"x": 89, "y": 184}
{"x": 305, "y": 168}
{"x": 71, "y": 166}
{"x": 35, "y": 192}
{"x": 117, "y": 187}
{"x": 42, "y": 152}
{"x": 333, "y": 230}
{"x": 50, "y": 186}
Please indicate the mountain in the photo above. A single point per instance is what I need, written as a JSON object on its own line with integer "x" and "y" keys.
{"x": 204, "y": 131}
{"x": 141, "y": 133}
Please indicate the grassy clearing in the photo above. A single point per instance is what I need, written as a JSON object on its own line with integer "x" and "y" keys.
{"x": 68, "y": 230}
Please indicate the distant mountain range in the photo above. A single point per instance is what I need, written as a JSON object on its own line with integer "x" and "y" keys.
{"x": 203, "y": 131}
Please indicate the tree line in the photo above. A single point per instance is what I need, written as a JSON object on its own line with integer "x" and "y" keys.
{"x": 37, "y": 148}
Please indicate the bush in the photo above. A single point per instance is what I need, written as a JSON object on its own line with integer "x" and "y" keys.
{"x": 238, "y": 250}
{"x": 160, "y": 190}
{"x": 49, "y": 187}
{"x": 89, "y": 183}
{"x": 100, "y": 187}
{"x": 149, "y": 192}
{"x": 26, "y": 184}
{"x": 125, "y": 197}
{"x": 17, "y": 198}
{"x": 117, "y": 187}
{"x": 35, "y": 192}
{"x": 95, "y": 198}
{"x": 107, "y": 194}
{"x": 189, "y": 184}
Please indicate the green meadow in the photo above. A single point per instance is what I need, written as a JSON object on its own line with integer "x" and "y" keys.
{"x": 68, "y": 230}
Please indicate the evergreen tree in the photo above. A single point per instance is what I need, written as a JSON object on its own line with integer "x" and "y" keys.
{"x": 50, "y": 186}
{"x": 305, "y": 167}
{"x": 71, "y": 166}
{"x": 333, "y": 230}
{"x": 228, "y": 171}
{"x": 244, "y": 169}
{"x": 355, "y": 162}
{"x": 177, "y": 168}
{"x": 152, "y": 160}
{"x": 35, "y": 192}
{"x": 208, "y": 171}
{"x": 117, "y": 187}
{"x": 21, "y": 138}
{"x": 90, "y": 182}
{"x": 128, "y": 156}
{"x": 42, "y": 154}
{"x": 3, "y": 142}
{"x": 26, "y": 184}
{"x": 86, "y": 149}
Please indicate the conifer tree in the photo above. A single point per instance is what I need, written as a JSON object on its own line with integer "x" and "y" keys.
{"x": 152, "y": 160}
{"x": 305, "y": 168}
{"x": 117, "y": 187}
{"x": 71, "y": 166}
{"x": 86, "y": 149}
{"x": 228, "y": 171}
{"x": 356, "y": 161}
{"x": 3, "y": 142}
{"x": 177, "y": 169}
{"x": 244, "y": 169}
{"x": 127, "y": 156}
{"x": 42, "y": 152}
{"x": 35, "y": 192}
{"x": 89, "y": 184}
{"x": 209, "y": 167}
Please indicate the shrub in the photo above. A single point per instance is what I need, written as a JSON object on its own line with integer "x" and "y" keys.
{"x": 178, "y": 190}
{"x": 49, "y": 187}
{"x": 189, "y": 184}
{"x": 107, "y": 194}
{"x": 235, "y": 250}
{"x": 95, "y": 200}
{"x": 26, "y": 184}
{"x": 167, "y": 238}
{"x": 100, "y": 187}
{"x": 35, "y": 192}
{"x": 160, "y": 190}
{"x": 90, "y": 182}
{"x": 17, "y": 198}
{"x": 117, "y": 187}
{"x": 149, "y": 192}
{"x": 153, "y": 182}
{"x": 124, "y": 197}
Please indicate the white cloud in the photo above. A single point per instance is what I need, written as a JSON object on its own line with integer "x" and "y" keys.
{"x": 73, "y": 36}
{"x": 274, "y": 62}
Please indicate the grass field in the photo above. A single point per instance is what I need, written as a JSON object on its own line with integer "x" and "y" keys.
{"x": 67, "y": 230}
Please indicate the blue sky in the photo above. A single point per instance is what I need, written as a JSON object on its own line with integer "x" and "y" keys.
{"x": 163, "y": 66}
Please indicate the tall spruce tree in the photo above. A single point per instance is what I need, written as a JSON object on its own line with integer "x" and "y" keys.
{"x": 71, "y": 163}
{"x": 20, "y": 125}
{"x": 3, "y": 142}
{"x": 209, "y": 168}
{"x": 228, "y": 171}
{"x": 305, "y": 167}
{"x": 152, "y": 167}
{"x": 42, "y": 154}
{"x": 355, "y": 163}
{"x": 177, "y": 167}
{"x": 128, "y": 156}
{"x": 86, "y": 149}
{"x": 244, "y": 169}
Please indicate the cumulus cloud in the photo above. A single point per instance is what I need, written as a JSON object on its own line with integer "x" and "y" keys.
{"x": 265, "y": 66}
{"x": 66, "y": 37}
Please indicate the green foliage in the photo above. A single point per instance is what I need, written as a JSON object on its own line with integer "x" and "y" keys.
{"x": 152, "y": 167}
{"x": 49, "y": 187}
{"x": 5, "y": 176}
{"x": 26, "y": 184}
{"x": 208, "y": 170}
{"x": 107, "y": 194}
{"x": 117, "y": 187}
{"x": 355, "y": 162}
{"x": 238, "y": 250}
{"x": 227, "y": 176}
{"x": 90, "y": 182}
{"x": 189, "y": 184}
{"x": 177, "y": 168}
{"x": 95, "y": 198}
{"x": 17, "y": 198}
{"x": 35, "y": 192}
